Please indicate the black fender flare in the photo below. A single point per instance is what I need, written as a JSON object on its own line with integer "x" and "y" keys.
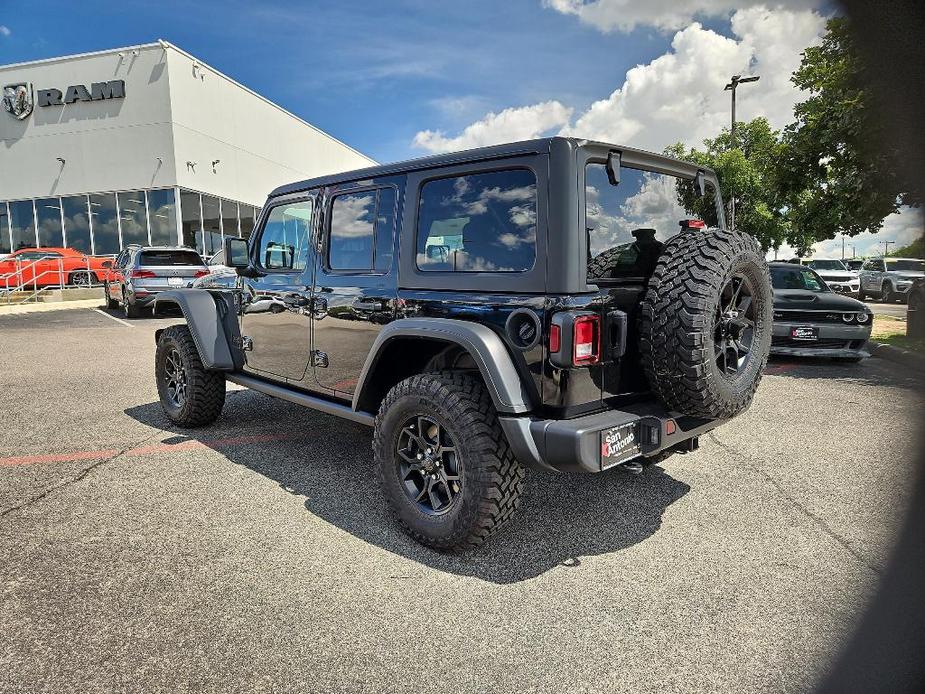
{"x": 482, "y": 343}
{"x": 213, "y": 322}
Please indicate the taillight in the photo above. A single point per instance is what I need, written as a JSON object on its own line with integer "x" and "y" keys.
{"x": 201, "y": 273}
{"x": 141, "y": 274}
{"x": 555, "y": 338}
{"x": 586, "y": 347}
{"x": 687, "y": 224}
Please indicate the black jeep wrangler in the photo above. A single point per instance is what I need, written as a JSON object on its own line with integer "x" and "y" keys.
{"x": 486, "y": 312}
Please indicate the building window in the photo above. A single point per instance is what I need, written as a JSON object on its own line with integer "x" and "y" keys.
{"x": 211, "y": 226}
{"x": 48, "y": 213}
{"x": 229, "y": 218}
{"x": 22, "y": 224}
{"x": 77, "y": 223}
{"x": 484, "y": 222}
{"x": 5, "y": 246}
{"x": 192, "y": 218}
{"x": 162, "y": 213}
{"x": 133, "y": 218}
{"x": 247, "y": 221}
{"x": 104, "y": 224}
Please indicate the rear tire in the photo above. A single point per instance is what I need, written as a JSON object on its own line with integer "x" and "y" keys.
{"x": 190, "y": 394}
{"x": 81, "y": 278}
{"x": 705, "y": 324}
{"x": 457, "y": 423}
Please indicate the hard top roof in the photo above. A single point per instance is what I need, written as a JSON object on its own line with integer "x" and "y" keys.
{"x": 536, "y": 146}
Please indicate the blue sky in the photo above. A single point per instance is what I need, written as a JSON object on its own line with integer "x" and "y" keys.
{"x": 404, "y": 78}
{"x": 370, "y": 73}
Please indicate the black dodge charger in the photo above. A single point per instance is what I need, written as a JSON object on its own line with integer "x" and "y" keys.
{"x": 812, "y": 320}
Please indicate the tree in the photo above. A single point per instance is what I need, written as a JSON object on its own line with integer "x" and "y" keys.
{"x": 916, "y": 249}
{"x": 750, "y": 170}
{"x": 838, "y": 175}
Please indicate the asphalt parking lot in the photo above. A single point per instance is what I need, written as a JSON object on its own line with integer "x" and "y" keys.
{"x": 258, "y": 555}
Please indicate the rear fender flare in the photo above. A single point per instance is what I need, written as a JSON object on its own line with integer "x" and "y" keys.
{"x": 213, "y": 322}
{"x": 483, "y": 344}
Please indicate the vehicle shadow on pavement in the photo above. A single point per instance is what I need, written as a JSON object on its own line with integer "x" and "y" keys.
{"x": 562, "y": 519}
{"x": 870, "y": 371}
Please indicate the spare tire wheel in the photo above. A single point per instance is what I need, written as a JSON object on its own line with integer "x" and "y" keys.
{"x": 705, "y": 322}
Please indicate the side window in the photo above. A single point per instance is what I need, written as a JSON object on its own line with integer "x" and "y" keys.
{"x": 481, "y": 222}
{"x": 362, "y": 231}
{"x": 284, "y": 242}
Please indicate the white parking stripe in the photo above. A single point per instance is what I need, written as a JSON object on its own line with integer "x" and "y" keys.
{"x": 117, "y": 320}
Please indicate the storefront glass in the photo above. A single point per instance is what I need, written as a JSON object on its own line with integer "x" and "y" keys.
{"x": 133, "y": 218}
{"x": 162, "y": 213}
{"x": 76, "y": 223}
{"x": 105, "y": 224}
{"x": 22, "y": 224}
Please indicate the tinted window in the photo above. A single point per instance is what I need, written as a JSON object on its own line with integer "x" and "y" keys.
{"x": 77, "y": 223}
{"x": 211, "y": 241}
{"x": 362, "y": 231}
{"x": 48, "y": 213}
{"x": 150, "y": 258}
{"x": 229, "y": 218}
{"x": 247, "y": 221}
{"x": 22, "y": 224}
{"x": 905, "y": 265}
{"x": 133, "y": 218}
{"x": 285, "y": 238}
{"x": 483, "y": 222}
{"x": 826, "y": 265}
{"x": 785, "y": 278}
{"x": 192, "y": 220}
{"x": 104, "y": 224}
{"x": 162, "y": 210}
{"x": 4, "y": 229}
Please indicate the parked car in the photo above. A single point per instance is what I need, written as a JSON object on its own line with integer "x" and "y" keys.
{"x": 46, "y": 267}
{"x": 511, "y": 345}
{"x": 812, "y": 320}
{"x": 141, "y": 272}
{"x": 836, "y": 274}
{"x": 854, "y": 264}
{"x": 216, "y": 265}
{"x": 889, "y": 279}
{"x": 915, "y": 311}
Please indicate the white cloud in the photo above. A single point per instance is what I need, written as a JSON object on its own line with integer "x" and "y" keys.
{"x": 626, "y": 15}
{"x": 509, "y": 125}
{"x": 5, "y": 30}
{"x": 676, "y": 97}
{"x": 903, "y": 227}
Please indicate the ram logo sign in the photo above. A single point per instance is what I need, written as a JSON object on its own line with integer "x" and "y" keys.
{"x": 98, "y": 91}
{"x": 17, "y": 100}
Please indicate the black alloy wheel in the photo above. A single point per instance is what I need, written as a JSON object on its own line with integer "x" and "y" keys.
{"x": 81, "y": 279}
{"x": 428, "y": 465}
{"x": 175, "y": 381}
{"x": 734, "y": 329}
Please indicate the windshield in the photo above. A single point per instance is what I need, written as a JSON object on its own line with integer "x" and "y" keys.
{"x": 627, "y": 223}
{"x": 826, "y": 265}
{"x": 905, "y": 265}
{"x": 797, "y": 278}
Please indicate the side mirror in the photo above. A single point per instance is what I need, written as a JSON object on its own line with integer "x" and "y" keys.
{"x": 613, "y": 168}
{"x": 236, "y": 255}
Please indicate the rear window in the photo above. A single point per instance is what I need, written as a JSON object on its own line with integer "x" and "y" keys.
{"x": 161, "y": 258}
{"x": 481, "y": 222}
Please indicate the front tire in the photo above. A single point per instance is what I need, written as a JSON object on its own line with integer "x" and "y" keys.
{"x": 190, "y": 394}
{"x": 131, "y": 310}
{"x": 888, "y": 296}
{"x": 444, "y": 463}
{"x": 110, "y": 302}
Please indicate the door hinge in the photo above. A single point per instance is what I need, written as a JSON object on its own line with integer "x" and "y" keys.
{"x": 244, "y": 343}
{"x": 319, "y": 359}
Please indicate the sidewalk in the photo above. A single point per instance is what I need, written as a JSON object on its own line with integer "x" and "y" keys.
{"x": 17, "y": 309}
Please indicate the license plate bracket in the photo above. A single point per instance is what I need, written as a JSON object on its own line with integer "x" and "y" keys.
{"x": 619, "y": 444}
{"x": 807, "y": 333}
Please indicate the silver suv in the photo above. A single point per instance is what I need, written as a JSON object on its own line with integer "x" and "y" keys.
{"x": 889, "y": 279}
{"x": 140, "y": 272}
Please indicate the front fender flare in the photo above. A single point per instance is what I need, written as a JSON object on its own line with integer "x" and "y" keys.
{"x": 212, "y": 319}
{"x": 486, "y": 347}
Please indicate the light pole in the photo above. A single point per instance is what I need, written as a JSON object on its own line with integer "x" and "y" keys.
{"x": 734, "y": 82}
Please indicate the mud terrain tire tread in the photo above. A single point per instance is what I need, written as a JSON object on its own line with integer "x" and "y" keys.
{"x": 205, "y": 390}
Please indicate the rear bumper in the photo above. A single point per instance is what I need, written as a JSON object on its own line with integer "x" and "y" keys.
{"x": 574, "y": 445}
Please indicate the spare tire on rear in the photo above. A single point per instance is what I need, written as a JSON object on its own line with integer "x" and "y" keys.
{"x": 705, "y": 322}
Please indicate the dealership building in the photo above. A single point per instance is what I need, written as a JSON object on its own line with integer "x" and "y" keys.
{"x": 144, "y": 145}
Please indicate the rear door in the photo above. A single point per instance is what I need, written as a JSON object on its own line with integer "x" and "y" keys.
{"x": 276, "y": 305}
{"x": 355, "y": 278}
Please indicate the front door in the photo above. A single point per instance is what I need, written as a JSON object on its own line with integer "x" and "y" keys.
{"x": 355, "y": 279}
{"x": 276, "y": 305}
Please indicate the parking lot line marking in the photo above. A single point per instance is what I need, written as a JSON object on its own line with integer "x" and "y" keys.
{"x": 188, "y": 445}
{"x": 117, "y": 320}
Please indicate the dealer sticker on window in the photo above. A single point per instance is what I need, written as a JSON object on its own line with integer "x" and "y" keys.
{"x": 619, "y": 444}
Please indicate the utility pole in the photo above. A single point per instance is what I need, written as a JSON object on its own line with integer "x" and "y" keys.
{"x": 842, "y": 246}
{"x": 886, "y": 247}
{"x": 734, "y": 82}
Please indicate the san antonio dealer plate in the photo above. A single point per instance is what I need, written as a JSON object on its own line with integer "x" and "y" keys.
{"x": 619, "y": 444}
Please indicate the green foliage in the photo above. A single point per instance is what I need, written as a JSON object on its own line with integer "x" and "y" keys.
{"x": 750, "y": 171}
{"x": 838, "y": 176}
{"x": 916, "y": 249}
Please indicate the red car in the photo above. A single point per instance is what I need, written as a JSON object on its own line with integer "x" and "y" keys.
{"x": 43, "y": 267}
